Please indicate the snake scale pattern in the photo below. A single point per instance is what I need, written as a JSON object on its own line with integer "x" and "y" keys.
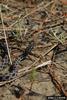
{"x": 13, "y": 69}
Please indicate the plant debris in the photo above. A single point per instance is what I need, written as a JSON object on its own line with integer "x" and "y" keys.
{"x": 33, "y": 49}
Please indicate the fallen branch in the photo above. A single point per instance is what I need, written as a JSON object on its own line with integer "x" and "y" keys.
{"x": 57, "y": 83}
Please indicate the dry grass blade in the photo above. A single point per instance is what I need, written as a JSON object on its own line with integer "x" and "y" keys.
{"x": 57, "y": 83}
{"x": 24, "y": 71}
{"x": 32, "y": 12}
{"x": 5, "y": 37}
{"x": 51, "y": 49}
{"x": 28, "y": 69}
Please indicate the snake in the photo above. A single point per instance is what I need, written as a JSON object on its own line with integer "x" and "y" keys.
{"x": 13, "y": 69}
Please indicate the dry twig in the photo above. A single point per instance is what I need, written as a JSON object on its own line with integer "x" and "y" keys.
{"x": 5, "y": 37}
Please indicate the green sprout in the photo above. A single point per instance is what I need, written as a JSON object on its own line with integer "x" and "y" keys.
{"x": 33, "y": 75}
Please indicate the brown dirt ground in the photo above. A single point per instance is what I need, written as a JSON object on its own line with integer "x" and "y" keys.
{"x": 38, "y": 23}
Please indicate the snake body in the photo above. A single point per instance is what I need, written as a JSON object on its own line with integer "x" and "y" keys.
{"x": 13, "y": 69}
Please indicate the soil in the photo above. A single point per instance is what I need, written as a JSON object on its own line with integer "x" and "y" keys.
{"x": 45, "y": 23}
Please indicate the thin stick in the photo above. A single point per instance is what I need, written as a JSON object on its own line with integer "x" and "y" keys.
{"x": 5, "y": 36}
{"x": 12, "y": 29}
{"x": 23, "y": 71}
{"x": 28, "y": 69}
{"x": 50, "y": 49}
{"x": 56, "y": 82}
{"x": 30, "y": 13}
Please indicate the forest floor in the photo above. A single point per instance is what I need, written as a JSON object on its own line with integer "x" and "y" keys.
{"x": 43, "y": 72}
